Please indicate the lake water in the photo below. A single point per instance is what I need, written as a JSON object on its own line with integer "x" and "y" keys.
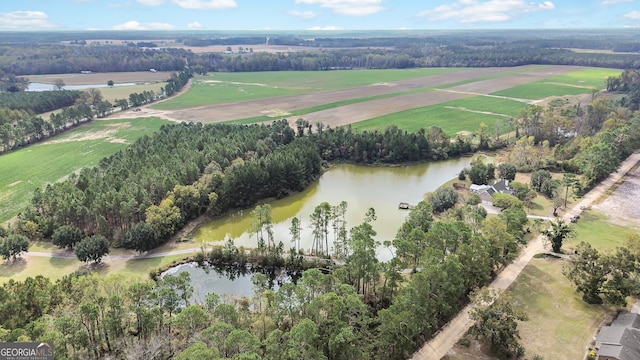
{"x": 48, "y": 87}
{"x": 362, "y": 187}
{"x": 233, "y": 281}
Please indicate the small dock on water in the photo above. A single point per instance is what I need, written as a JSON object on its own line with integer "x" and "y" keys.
{"x": 404, "y": 206}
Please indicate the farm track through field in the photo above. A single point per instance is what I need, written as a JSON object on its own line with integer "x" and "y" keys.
{"x": 499, "y": 79}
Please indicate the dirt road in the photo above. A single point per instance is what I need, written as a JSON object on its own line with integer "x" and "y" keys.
{"x": 438, "y": 347}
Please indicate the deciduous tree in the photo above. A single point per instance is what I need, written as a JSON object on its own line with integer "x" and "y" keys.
{"x": 13, "y": 245}
{"x": 67, "y": 236}
{"x": 497, "y": 323}
{"x": 92, "y": 248}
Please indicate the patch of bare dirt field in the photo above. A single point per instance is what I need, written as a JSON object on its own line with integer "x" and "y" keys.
{"x": 366, "y": 110}
{"x": 107, "y": 133}
{"x": 621, "y": 205}
{"x": 103, "y": 78}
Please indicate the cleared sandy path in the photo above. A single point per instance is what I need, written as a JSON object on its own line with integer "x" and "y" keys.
{"x": 365, "y": 110}
{"x": 438, "y": 347}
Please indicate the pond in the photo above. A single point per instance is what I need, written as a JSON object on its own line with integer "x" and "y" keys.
{"x": 49, "y": 87}
{"x": 362, "y": 187}
{"x": 232, "y": 281}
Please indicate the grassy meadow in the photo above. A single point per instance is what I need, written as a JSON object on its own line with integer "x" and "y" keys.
{"x": 36, "y": 166}
{"x": 231, "y": 87}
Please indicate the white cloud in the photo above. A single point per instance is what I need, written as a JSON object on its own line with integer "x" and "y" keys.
{"x": 302, "y": 14}
{"x": 151, "y": 2}
{"x": 613, "y": 2}
{"x": 634, "y": 15}
{"x": 348, "y": 7}
{"x": 25, "y": 20}
{"x": 475, "y": 11}
{"x": 195, "y": 25}
{"x": 134, "y": 25}
{"x": 206, "y": 4}
{"x": 328, "y": 28}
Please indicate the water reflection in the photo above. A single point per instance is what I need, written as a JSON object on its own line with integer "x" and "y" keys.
{"x": 362, "y": 187}
{"x": 34, "y": 86}
{"x": 228, "y": 280}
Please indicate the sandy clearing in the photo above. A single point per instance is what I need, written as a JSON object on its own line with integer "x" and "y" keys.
{"x": 622, "y": 205}
{"x": 107, "y": 133}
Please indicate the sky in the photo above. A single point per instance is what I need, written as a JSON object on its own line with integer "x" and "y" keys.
{"x": 64, "y": 15}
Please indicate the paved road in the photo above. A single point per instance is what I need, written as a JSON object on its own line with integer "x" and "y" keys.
{"x": 438, "y": 347}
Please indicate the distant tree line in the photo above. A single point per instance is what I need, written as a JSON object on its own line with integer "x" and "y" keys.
{"x": 62, "y": 59}
{"x": 366, "y": 52}
{"x": 38, "y": 102}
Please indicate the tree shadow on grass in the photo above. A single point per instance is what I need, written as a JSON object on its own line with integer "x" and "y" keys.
{"x": 61, "y": 262}
{"x": 535, "y": 207}
{"x": 98, "y": 268}
{"x": 142, "y": 266}
{"x": 10, "y": 268}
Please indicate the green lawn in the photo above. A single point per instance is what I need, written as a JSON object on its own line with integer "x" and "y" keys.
{"x": 56, "y": 268}
{"x": 230, "y": 87}
{"x": 36, "y": 166}
{"x": 560, "y": 324}
{"x": 574, "y": 83}
{"x": 452, "y": 117}
{"x": 593, "y": 227}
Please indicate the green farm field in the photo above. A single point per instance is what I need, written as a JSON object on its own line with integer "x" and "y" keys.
{"x": 123, "y": 92}
{"x": 232, "y": 87}
{"x": 573, "y": 83}
{"x": 36, "y": 166}
{"x": 453, "y": 116}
